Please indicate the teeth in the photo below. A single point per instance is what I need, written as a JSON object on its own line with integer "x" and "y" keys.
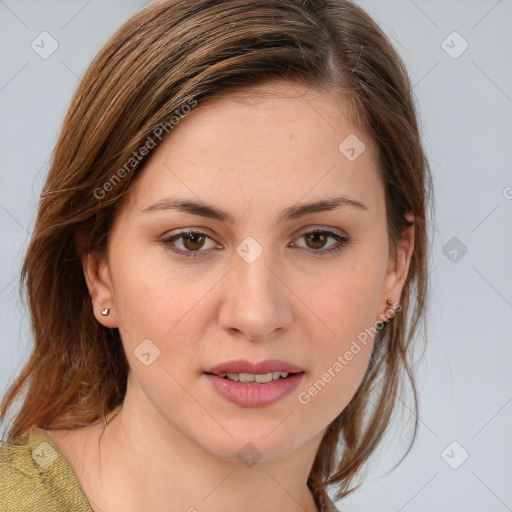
{"x": 260, "y": 378}
{"x": 267, "y": 377}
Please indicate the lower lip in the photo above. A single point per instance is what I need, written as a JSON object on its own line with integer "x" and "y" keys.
{"x": 255, "y": 395}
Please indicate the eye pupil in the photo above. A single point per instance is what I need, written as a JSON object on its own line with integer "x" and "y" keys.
{"x": 320, "y": 236}
{"x": 193, "y": 237}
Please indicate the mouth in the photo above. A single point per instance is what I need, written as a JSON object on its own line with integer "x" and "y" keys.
{"x": 255, "y": 384}
{"x": 264, "y": 371}
{"x": 254, "y": 379}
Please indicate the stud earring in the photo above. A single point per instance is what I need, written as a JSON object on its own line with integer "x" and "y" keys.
{"x": 389, "y": 302}
{"x": 380, "y": 325}
{"x": 105, "y": 312}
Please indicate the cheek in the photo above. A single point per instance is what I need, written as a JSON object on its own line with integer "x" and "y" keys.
{"x": 153, "y": 296}
{"x": 346, "y": 306}
{"x": 327, "y": 392}
{"x": 346, "y": 299}
{"x": 161, "y": 326}
{"x": 163, "y": 315}
{"x": 170, "y": 317}
{"x": 340, "y": 358}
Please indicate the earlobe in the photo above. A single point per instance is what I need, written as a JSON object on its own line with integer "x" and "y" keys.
{"x": 97, "y": 277}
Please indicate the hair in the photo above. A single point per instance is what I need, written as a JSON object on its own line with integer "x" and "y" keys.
{"x": 167, "y": 55}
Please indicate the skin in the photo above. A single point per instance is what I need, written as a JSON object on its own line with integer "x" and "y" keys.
{"x": 173, "y": 445}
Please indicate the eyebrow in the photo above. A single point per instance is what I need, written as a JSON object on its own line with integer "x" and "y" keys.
{"x": 293, "y": 212}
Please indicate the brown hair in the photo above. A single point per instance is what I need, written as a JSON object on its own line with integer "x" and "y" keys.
{"x": 179, "y": 51}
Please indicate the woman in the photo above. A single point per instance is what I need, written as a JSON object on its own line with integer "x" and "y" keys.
{"x": 228, "y": 266}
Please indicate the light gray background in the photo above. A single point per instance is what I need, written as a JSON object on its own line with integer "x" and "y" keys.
{"x": 466, "y": 113}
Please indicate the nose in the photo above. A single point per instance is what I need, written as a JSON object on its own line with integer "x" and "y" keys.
{"x": 257, "y": 302}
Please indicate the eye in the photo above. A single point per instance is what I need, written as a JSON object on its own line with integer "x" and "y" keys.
{"x": 317, "y": 238}
{"x": 192, "y": 241}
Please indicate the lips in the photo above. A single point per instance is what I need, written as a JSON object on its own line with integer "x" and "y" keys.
{"x": 244, "y": 366}
{"x": 255, "y": 395}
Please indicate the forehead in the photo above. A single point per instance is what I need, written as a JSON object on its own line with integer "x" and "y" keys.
{"x": 279, "y": 142}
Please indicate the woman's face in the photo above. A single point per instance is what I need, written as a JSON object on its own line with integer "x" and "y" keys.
{"x": 251, "y": 282}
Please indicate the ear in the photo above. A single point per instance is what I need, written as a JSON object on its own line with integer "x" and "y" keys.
{"x": 397, "y": 271}
{"x": 97, "y": 277}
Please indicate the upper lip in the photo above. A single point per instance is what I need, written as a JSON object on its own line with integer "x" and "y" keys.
{"x": 244, "y": 366}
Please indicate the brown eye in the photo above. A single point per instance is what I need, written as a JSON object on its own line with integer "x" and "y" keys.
{"x": 192, "y": 242}
{"x": 317, "y": 239}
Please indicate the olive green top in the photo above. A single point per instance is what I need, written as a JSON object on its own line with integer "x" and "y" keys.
{"x": 35, "y": 476}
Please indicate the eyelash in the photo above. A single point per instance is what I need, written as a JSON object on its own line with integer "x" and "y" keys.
{"x": 168, "y": 243}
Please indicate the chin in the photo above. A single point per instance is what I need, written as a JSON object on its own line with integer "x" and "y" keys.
{"x": 250, "y": 449}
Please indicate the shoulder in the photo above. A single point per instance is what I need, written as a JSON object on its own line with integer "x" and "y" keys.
{"x": 34, "y": 475}
{"x": 22, "y": 488}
